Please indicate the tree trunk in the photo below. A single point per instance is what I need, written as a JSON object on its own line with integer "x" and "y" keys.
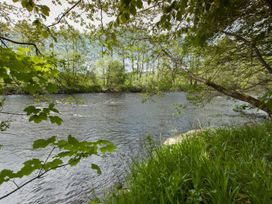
{"x": 234, "y": 94}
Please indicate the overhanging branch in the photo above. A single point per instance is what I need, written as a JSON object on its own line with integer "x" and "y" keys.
{"x": 29, "y": 181}
{"x": 254, "y": 47}
{"x": 64, "y": 14}
{"x": 38, "y": 52}
{"x": 234, "y": 94}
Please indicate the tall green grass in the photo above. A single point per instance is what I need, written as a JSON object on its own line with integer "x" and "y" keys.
{"x": 218, "y": 166}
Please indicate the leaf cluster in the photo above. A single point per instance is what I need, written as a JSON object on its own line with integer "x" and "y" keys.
{"x": 70, "y": 152}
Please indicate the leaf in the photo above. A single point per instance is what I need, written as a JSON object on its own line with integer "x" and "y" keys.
{"x": 45, "y": 10}
{"x": 74, "y": 161}
{"x": 132, "y": 10}
{"x": 53, "y": 164}
{"x": 29, "y": 167}
{"x": 55, "y": 119}
{"x": 96, "y": 168}
{"x": 72, "y": 140}
{"x": 108, "y": 146}
{"x": 64, "y": 154}
{"x": 38, "y": 118}
{"x": 31, "y": 109}
{"x": 5, "y": 175}
{"x": 139, "y": 4}
{"x": 42, "y": 143}
{"x": 45, "y": 34}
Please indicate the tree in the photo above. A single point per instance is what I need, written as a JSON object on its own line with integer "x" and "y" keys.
{"x": 20, "y": 66}
{"x": 115, "y": 75}
{"x": 203, "y": 23}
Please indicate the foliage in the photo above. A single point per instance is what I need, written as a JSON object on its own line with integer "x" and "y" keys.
{"x": 227, "y": 165}
{"x": 69, "y": 82}
{"x": 70, "y": 151}
{"x": 31, "y": 72}
{"x": 115, "y": 75}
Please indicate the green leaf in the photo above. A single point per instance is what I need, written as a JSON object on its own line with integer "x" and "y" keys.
{"x": 96, "y": 168}
{"x": 53, "y": 164}
{"x": 139, "y": 4}
{"x": 74, "y": 161}
{"x": 72, "y": 140}
{"x": 132, "y": 10}
{"x": 5, "y": 175}
{"x": 45, "y": 10}
{"x": 29, "y": 167}
{"x": 64, "y": 154}
{"x": 108, "y": 146}
{"x": 38, "y": 118}
{"x": 42, "y": 143}
{"x": 55, "y": 119}
{"x": 31, "y": 109}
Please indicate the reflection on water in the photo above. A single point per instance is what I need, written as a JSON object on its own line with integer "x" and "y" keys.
{"x": 120, "y": 118}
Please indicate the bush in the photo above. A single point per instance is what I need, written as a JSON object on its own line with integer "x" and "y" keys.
{"x": 219, "y": 166}
{"x": 115, "y": 76}
{"x": 76, "y": 83}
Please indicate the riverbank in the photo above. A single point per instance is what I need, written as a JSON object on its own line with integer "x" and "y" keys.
{"x": 226, "y": 165}
{"x": 15, "y": 90}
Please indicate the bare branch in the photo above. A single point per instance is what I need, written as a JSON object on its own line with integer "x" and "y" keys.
{"x": 3, "y": 42}
{"x": 101, "y": 15}
{"x": 254, "y": 47}
{"x": 49, "y": 155}
{"x": 232, "y": 93}
{"x": 64, "y": 14}
{"x": 38, "y": 52}
{"x": 29, "y": 181}
{"x": 9, "y": 113}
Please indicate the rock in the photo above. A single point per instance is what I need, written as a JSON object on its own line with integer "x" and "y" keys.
{"x": 181, "y": 137}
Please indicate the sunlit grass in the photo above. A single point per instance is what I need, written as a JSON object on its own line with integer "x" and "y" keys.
{"x": 218, "y": 166}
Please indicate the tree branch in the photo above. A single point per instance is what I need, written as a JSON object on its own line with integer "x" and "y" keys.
{"x": 29, "y": 181}
{"x": 64, "y": 14}
{"x": 3, "y": 42}
{"x": 234, "y": 94}
{"x": 9, "y": 113}
{"x": 38, "y": 52}
{"x": 254, "y": 47}
{"x": 44, "y": 163}
{"x": 101, "y": 15}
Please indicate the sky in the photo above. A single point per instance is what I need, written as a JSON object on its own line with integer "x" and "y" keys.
{"x": 56, "y": 11}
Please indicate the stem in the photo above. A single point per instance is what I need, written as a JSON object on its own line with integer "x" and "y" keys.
{"x": 38, "y": 52}
{"x": 29, "y": 181}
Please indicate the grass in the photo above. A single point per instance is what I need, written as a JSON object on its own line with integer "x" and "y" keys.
{"x": 218, "y": 166}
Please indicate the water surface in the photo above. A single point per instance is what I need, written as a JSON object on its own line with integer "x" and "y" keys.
{"x": 121, "y": 118}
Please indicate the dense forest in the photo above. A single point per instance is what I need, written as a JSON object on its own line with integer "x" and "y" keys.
{"x": 204, "y": 48}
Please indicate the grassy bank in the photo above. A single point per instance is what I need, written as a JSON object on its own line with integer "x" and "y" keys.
{"x": 219, "y": 166}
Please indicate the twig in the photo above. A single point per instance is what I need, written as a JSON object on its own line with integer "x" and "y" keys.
{"x": 29, "y": 181}
{"x": 64, "y": 14}
{"x": 15, "y": 184}
{"x": 46, "y": 160}
{"x": 101, "y": 15}
{"x": 8, "y": 113}
{"x": 254, "y": 47}
{"x": 38, "y": 52}
{"x": 3, "y": 42}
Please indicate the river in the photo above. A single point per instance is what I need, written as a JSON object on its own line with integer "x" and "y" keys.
{"x": 121, "y": 118}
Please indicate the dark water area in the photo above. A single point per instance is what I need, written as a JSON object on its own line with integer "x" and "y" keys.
{"x": 121, "y": 118}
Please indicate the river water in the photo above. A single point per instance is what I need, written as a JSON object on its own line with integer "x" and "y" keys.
{"x": 121, "y": 118}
